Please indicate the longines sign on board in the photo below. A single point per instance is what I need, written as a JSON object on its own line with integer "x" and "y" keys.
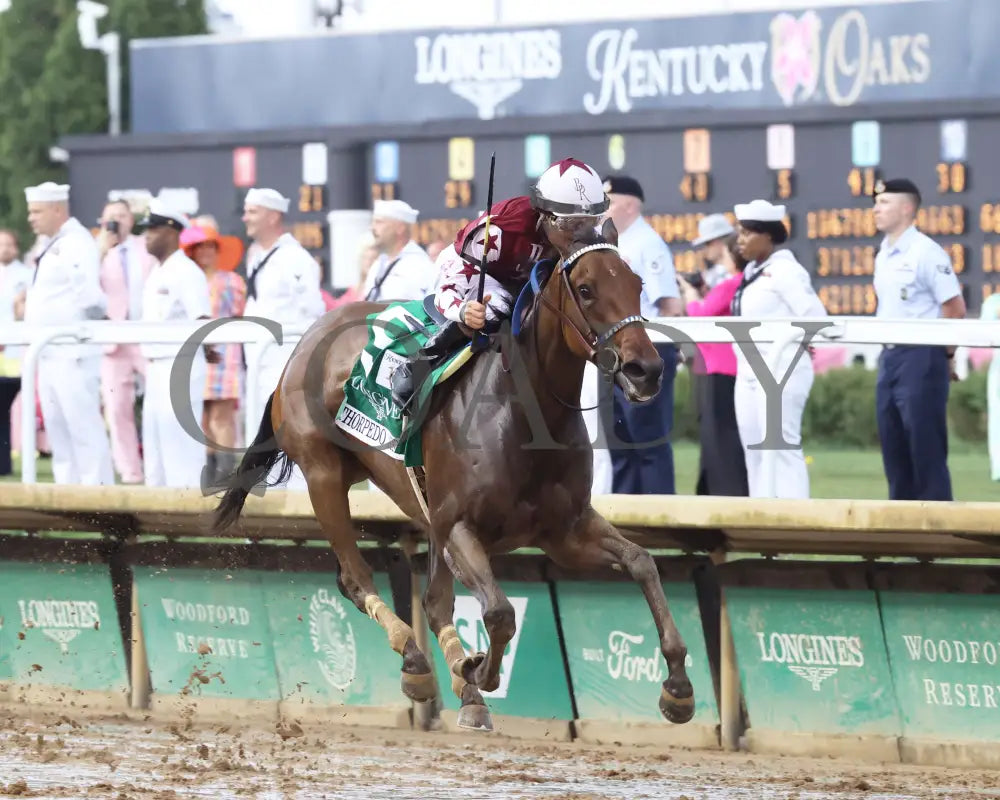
{"x": 835, "y": 57}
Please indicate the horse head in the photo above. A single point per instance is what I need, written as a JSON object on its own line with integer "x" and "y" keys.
{"x": 595, "y": 296}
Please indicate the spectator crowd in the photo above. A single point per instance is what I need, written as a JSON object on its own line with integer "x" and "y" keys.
{"x": 158, "y": 264}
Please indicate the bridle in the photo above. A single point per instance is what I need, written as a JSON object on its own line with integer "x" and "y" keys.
{"x": 595, "y": 345}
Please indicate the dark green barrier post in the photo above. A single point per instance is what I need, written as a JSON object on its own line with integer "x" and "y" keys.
{"x": 59, "y": 628}
{"x": 617, "y": 668}
{"x": 942, "y": 628}
{"x": 206, "y": 634}
{"x": 812, "y": 659}
{"x": 328, "y": 652}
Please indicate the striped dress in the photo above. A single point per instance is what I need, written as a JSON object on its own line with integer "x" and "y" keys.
{"x": 227, "y": 295}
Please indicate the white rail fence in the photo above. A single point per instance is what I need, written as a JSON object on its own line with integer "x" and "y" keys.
{"x": 777, "y": 334}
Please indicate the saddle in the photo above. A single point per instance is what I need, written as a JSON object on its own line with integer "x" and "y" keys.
{"x": 368, "y": 412}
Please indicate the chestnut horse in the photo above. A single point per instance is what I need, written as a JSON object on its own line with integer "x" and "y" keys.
{"x": 505, "y": 491}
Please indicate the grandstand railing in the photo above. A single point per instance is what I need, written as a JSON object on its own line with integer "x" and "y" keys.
{"x": 781, "y": 333}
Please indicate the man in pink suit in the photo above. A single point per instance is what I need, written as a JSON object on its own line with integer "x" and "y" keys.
{"x": 125, "y": 264}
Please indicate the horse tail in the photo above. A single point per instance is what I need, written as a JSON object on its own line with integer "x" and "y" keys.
{"x": 257, "y": 462}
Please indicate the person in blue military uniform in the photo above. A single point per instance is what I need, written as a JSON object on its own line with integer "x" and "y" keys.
{"x": 645, "y": 462}
{"x": 914, "y": 279}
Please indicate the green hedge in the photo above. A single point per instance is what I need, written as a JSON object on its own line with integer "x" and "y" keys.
{"x": 841, "y": 408}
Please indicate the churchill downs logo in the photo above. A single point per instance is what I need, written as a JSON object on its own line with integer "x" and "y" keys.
{"x": 488, "y": 68}
{"x": 810, "y": 656}
{"x": 332, "y": 639}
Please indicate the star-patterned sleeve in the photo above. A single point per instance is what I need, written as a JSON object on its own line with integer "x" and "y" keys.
{"x": 458, "y": 282}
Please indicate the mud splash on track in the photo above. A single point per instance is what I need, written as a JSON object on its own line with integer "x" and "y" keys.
{"x": 51, "y": 755}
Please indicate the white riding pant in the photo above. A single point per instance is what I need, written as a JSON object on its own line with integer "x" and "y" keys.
{"x": 589, "y": 396}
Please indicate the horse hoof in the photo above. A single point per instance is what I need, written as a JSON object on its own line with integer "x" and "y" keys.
{"x": 676, "y": 709}
{"x": 420, "y": 686}
{"x": 475, "y": 717}
{"x": 425, "y": 716}
{"x": 466, "y": 668}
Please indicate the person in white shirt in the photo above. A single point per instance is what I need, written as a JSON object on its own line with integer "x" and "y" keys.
{"x": 774, "y": 284}
{"x": 403, "y": 270}
{"x": 15, "y": 277}
{"x": 283, "y": 285}
{"x": 646, "y": 464}
{"x": 66, "y": 289}
{"x": 175, "y": 290}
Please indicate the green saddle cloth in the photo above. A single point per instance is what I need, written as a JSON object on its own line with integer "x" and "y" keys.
{"x": 368, "y": 412}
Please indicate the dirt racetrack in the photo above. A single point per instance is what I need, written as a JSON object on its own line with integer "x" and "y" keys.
{"x": 52, "y": 755}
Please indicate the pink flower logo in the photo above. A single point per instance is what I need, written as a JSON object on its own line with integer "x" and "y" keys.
{"x": 795, "y": 55}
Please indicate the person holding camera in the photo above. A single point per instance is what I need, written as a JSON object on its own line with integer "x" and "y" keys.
{"x": 722, "y": 468}
{"x": 125, "y": 265}
{"x": 715, "y": 239}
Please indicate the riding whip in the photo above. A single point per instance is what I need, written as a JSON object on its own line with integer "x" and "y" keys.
{"x": 486, "y": 232}
{"x": 481, "y": 340}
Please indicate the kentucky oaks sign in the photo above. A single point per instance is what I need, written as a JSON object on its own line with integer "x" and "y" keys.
{"x": 834, "y": 57}
{"x": 798, "y": 60}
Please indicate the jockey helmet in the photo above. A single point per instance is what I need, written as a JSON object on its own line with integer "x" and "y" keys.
{"x": 569, "y": 188}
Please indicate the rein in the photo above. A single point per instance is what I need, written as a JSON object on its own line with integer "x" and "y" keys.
{"x": 595, "y": 345}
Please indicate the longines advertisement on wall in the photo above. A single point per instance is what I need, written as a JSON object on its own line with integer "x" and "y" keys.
{"x": 822, "y": 57}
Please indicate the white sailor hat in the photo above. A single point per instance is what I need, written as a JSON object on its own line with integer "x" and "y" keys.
{"x": 759, "y": 211}
{"x": 47, "y": 192}
{"x": 712, "y": 227}
{"x": 395, "y": 209}
{"x": 267, "y": 198}
{"x": 162, "y": 213}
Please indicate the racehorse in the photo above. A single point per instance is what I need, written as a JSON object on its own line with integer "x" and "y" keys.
{"x": 488, "y": 497}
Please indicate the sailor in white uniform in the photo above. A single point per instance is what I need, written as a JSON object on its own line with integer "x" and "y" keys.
{"x": 283, "y": 285}
{"x": 175, "y": 290}
{"x": 66, "y": 289}
{"x": 774, "y": 285}
{"x": 403, "y": 270}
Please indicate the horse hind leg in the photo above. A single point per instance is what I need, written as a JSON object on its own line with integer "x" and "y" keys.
{"x": 596, "y": 543}
{"x": 328, "y": 487}
{"x": 439, "y": 606}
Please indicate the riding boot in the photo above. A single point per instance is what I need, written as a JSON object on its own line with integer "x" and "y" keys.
{"x": 411, "y": 374}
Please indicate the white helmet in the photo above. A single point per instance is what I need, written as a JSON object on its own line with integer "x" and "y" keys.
{"x": 569, "y": 188}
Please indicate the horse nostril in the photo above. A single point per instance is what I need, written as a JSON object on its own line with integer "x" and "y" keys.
{"x": 638, "y": 370}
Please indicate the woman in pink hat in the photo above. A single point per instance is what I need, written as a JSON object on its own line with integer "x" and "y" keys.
{"x": 219, "y": 256}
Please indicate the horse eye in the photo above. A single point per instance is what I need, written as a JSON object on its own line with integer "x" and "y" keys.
{"x": 584, "y": 291}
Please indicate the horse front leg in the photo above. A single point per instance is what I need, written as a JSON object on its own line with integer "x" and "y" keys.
{"x": 439, "y": 607}
{"x": 594, "y": 542}
{"x": 469, "y": 562}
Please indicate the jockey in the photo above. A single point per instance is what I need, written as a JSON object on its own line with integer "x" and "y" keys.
{"x": 569, "y": 195}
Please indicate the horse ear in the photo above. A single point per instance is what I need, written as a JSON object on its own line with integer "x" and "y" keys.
{"x": 609, "y": 231}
